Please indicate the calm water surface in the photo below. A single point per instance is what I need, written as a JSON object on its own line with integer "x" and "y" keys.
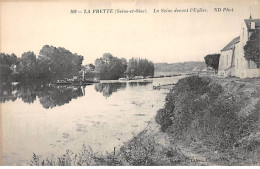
{"x": 44, "y": 119}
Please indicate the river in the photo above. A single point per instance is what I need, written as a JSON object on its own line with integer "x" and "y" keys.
{"x": 47, "y": 120}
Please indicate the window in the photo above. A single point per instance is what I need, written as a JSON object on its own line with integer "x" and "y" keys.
{"x": 227, "y": 60}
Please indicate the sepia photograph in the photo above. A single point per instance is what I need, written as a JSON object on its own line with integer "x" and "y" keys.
{"x": 130, "y": 83}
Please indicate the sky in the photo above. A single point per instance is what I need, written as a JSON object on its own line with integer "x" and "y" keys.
{"x": 159, "y": 37}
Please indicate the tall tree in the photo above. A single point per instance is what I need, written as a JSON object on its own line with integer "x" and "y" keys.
{"x": 110, "y": 67}
{"x": 7, "y": 64}
{"x": 27, "y": 65}
{"x": 140, "y": 67}
{"x": 212, "y": 60}
{"x": 58, "y": 62}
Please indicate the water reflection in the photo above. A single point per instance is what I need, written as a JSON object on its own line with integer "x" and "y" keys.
{"x": 108, "y": 88}
{"x": 32, "y": 128}
{"x": 134, "y": 84}
{"x": 52, "y": 95}
{"x": 8, "y": 92}
{"x": 49, "y": 95}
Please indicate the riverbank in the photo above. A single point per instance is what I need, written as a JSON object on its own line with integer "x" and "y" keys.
{"x": 205, "y": 121}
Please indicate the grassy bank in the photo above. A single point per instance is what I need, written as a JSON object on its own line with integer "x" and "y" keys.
{"x": 218, "y": 118}
{"x": 205, "y": 121}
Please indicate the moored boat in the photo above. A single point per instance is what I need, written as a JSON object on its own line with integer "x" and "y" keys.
{"x": 75, "y": 82}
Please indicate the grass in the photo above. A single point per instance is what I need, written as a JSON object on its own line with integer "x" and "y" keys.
{"x": 86, "y": 157}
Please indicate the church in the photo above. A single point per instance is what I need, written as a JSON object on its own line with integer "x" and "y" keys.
{"x": 232, "y": 61}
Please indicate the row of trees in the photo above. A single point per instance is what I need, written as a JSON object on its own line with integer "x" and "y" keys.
{"x": 59, "y": 62}
{"x": 112, "y": 68}
{"x": 55, "y": 62}
{"x": 52, "y": 62}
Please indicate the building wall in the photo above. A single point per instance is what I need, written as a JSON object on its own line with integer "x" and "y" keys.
{"x": 239, "y": 66}
{"x": 252, "y": 73}
{"x": 241, "y": 62}
{"x": 225, "y": 61}
{"x": 244, "y": 34}
{"x": 242, "y": 68}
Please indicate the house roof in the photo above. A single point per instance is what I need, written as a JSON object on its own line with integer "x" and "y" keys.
{"x": 248, "y": 23}
{"x": 231, "y": 44}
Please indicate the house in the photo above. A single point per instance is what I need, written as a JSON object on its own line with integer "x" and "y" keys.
{"x": 232, "y": 61}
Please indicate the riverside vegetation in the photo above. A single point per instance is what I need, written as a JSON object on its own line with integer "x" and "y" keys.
{"x": 57, "y": 62}
{"x": 215, "y": 120}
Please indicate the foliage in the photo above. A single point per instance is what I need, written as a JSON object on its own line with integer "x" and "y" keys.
{"x": 52, "y": 62}
{"x": 140, "y": 67}
{"x": 88, "y": 68}
{"x": 58, "y": 62}
{"x": 145, "y": 149}
{"x": 7, "y": 64}
{"x": 199, "y": 109}
{"x": 252, "y": 47}
{"x": 212, "y": 60}
{"x": 185, "y": 91}
{"x": 110, "y": 67}
{"x": 27, "y": 65}
{"x": 86, "y": 157}
{"x": 138, "y": 152}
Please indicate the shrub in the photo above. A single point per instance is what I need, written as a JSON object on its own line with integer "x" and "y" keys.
{"x": 181, "y": 104}
{"x": 200, "y": 105}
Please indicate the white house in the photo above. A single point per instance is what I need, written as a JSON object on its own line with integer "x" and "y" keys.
{"x": 232, "y": 61}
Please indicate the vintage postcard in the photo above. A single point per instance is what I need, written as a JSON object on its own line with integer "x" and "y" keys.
{"x": 129, "y": 83}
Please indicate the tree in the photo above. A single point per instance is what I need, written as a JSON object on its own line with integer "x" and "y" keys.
{"x": 140, "y": 67}
{"x": 212, "y": 60}
{"x": 58, "y": 62}
{"x": 27, "y": 65}
{"x": 7, "y": 64}
{"x": 110, "y": 67}
{"x": 252, "y": 47}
